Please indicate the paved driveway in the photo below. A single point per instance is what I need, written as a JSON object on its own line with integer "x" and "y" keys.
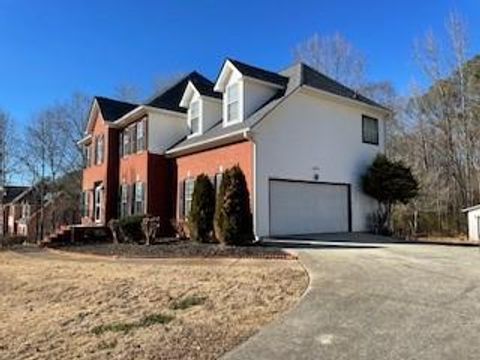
{"x": 391, "y": 301}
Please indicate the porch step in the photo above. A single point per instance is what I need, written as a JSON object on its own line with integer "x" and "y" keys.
{"x": 62, "y": 236}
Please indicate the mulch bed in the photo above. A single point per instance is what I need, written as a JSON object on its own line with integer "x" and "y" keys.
{"x": 180, "y": 249}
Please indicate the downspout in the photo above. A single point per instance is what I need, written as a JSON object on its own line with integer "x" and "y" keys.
{"x": 248, "y": 135}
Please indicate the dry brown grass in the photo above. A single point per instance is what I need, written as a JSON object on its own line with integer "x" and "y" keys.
{"x": 65, "y": 307}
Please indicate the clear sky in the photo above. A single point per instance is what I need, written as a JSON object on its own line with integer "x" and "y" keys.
{"x": 51, "y": 48}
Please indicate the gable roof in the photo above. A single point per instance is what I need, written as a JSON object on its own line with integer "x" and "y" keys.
{"x": 297, "y": 76}
{"x": 113, "y": 109}
{"x": 10, "y": 193}
{"x": 170, "y": 98}
{"x": 205, "y": 87}
{"x": 259, "y": 73}
{"x": 316, "y": 79}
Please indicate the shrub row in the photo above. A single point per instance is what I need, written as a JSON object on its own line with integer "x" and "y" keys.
{"x": 228, "y": 218}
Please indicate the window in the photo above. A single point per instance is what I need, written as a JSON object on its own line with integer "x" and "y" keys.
{"x": 233, "y": 103}
{"x": 86, "y": 156}
{"x": 98, "y": 203}
{"x": 141, "y": 135}
{"x": 120, "y": 144}
{"x": 189, "y": 184}
{"x": 85, "y": 204}
{"x": 123, "y": 200}
{"x": 369, "y": 130}
{"x": 126, "y": 142}
{"x": 25, "y": 211}
{"x": 218, "y": 182}
{"x": 99, "y": 150}
{"x": 133, "y": 137}
{"x": 195, "y": 117}
{"x": 139, "y": 198}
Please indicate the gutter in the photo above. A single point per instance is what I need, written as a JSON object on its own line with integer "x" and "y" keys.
{"x": 84, "y": 140}
{"x": 199, "y": 144}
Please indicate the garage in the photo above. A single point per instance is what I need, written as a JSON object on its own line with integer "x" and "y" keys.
{"x": 302, "y": 207}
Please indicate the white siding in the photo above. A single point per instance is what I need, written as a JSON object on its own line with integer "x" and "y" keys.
{"x": 164, "y": 130}
{"x": 255, "y": 95}
{"x": 473, "y": 219}
{"x": 212, "y": 112}
{"x": 308, "y": 135}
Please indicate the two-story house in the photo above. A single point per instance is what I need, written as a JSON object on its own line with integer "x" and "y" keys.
{"x": 302, "y": 139}
{"x": 126, "y": 170}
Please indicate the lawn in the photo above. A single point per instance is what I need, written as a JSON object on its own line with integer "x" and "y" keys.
{"x": 72, "y": 306}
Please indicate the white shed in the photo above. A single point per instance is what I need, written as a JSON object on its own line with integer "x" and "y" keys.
{"x": 473, "y": 214}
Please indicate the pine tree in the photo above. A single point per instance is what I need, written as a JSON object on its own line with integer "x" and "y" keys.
{"x": 389, "y": 182}
{"x": 233, "y": 218}
{"x": 200, "y": 218}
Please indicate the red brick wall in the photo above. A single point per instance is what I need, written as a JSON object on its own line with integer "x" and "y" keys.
{"x": 107, "y": 172}
{"x": 213, "y": 161}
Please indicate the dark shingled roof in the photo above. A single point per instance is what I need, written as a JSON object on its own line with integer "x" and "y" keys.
{"x": 260, "y": 74}
{"x": 315, "y": 79}
{"x": 296, "y": 75}
{"x": 205, "y": 87}
{"x": 11, "y": 192}
{"x": 170, "y": 98}
{"x": 113, "y": 109}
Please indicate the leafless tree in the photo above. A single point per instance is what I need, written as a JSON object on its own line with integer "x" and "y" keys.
{"x": 127, "y": 92}
{"x": 439, "y": 136}
{"x": 8, "y": 137}
{"x": 334, "y": 56}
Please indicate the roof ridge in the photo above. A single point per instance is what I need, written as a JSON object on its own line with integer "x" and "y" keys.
{"x": 115, "y": 100}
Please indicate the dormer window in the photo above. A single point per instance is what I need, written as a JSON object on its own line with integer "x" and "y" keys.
{"x": 233, "y": 103}
{"x": 195, "y": 117}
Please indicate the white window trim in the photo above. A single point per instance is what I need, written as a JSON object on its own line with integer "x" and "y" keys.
{"x": 200, "y": 118}
{"x": 226, "y": 121}
{"x": 188, "y": 181}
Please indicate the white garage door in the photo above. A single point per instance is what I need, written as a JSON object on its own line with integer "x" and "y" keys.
{"x": 307, "y": 208}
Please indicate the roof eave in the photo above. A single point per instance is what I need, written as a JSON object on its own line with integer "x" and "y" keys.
{"x": 208, "y": 143}
{"x": 379, "y": 108}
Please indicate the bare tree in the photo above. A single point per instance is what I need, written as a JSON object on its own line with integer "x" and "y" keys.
{"x": 334, "y": 56}
{"x": 127, "y": 92}
{"x": 8, "y": 160}
{"x": 439, "y": 137}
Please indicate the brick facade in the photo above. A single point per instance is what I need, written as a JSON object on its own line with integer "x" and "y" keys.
{"x": 214, "y": 161}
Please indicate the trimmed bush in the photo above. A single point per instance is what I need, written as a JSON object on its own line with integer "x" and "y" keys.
{"x": 200, "y": 218}
{"x": 233, "y": 218}
{"x": 132, "y": 228}
{"x": 389, "y": 182}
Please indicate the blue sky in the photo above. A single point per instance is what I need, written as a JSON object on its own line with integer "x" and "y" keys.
{"x": 51, "y": 48}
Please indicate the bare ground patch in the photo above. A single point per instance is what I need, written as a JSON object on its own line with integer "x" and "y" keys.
{"x": 54, "y": 307}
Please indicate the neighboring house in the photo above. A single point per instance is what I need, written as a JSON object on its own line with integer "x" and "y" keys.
{"x": 21, "y": 212}
{"x": 473, "y": 217}
{"x": 8, "y": 210}
{"x": 302, "y": 139}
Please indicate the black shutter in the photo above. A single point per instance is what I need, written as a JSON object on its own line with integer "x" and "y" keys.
{"x": 134, "y": 138}
{"x": 132, "y": 204}
{"x": 181, "y": 199}
{"x": 120, "y": 144}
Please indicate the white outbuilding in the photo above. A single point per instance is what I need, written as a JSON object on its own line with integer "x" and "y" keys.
{"x": 473, "y": 214}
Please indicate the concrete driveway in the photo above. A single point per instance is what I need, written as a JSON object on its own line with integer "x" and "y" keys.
{"x": 379, "y": 301}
